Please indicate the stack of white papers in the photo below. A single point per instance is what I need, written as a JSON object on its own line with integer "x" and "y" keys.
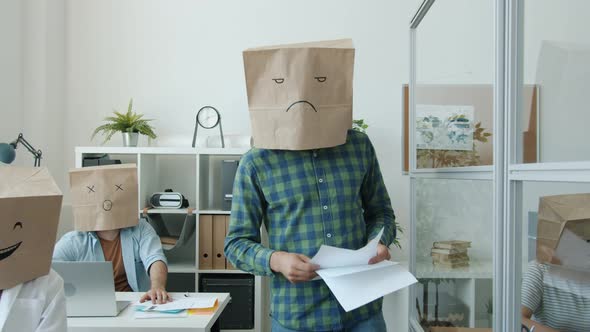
{"x": 353, "y": 281}
{"x": 177, "y": 308}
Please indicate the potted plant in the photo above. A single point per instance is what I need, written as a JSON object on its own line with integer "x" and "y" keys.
{"x": 129, "y": 124}
{"x": 360, "y": 125}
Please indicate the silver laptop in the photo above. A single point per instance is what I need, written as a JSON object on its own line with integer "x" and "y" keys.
{"x": 89, "y": 289}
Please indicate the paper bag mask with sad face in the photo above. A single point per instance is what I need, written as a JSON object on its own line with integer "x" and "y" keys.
{"x": 564, "y": 231}
{"x": 104, "y": 197}
{"x": 30, "y": 203}
{"x": 300, "y": 95}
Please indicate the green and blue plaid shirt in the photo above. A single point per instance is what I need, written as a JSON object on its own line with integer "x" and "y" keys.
{"x": 333, "y": 196}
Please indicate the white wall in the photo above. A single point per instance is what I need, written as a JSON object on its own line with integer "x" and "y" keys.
{"x": 11, "y": 119}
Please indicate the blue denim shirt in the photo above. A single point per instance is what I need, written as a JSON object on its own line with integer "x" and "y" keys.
{"x": 140, "y": 247}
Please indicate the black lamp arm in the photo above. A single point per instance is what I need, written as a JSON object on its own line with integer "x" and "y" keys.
{"x": 36, "y": 153}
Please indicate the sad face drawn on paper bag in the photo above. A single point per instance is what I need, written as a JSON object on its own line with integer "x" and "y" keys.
{"x": 104, "y": 197}
{"x": 30, "y": 204}
{"x": 300, "y": 95}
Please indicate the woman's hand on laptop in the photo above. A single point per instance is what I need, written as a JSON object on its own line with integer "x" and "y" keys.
{"x": 156, "y": 295}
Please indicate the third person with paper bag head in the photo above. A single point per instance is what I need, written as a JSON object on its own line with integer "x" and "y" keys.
{"x": 106, "y": 219}
{"x": 310, "y": 179}
{"x": 556, "y": 286}
{"x": 31, "y": 293}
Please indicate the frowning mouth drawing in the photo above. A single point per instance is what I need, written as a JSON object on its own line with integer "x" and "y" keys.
{"x": 6, "y": 252}
{"x": 302, "y": 102}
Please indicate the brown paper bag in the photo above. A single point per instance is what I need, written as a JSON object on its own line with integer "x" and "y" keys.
{"x": 104, "y": 197}
{"x": 30, "y": 204}
{"x": 557, "y": 213}
{"x": 300, "y": 95}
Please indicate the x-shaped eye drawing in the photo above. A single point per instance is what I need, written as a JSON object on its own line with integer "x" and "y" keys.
{"x": 119, "y": 187}
{"x": 90, "y": 189}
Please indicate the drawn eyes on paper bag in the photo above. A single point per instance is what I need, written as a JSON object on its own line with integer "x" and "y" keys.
{"x": 6, "y": 252}
{"x": 90, "y": 189}
{"x": 107, "y": 204}
{"x": 320, "y": 79}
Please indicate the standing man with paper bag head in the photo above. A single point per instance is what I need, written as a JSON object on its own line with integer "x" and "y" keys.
{"x": 104, "y": 202}
{"x": 31, "y": 294}
{"x": 310, "y": 179}
{"x": 556, "y": 286}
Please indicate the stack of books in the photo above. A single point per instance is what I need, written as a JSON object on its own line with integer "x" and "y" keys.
{"x": 450, "y": 254}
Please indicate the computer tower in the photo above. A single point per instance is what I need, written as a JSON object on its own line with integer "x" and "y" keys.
{"x": 239, "y": 312}
{"x": 180, "y": 282}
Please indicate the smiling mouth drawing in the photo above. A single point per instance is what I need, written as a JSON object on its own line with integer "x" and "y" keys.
{"x": 107, "y": 205}
{"x": 301, "y": 102}
{"x": 8, "y": 251}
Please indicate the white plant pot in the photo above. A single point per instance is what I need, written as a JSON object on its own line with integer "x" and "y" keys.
{"x": 130, "y": 139}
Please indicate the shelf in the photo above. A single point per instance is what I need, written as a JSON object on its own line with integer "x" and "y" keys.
{"x": 166, "y": 211}
{"x": 223, "y": 151}
{"x": 135, "y": 150}
{"x": 159, "y": 150}
{"x": 223, "y": 271}
{"x": 214, "y": 212}
{"x": 181, "y": 268}
{"x": 475, "y": 270}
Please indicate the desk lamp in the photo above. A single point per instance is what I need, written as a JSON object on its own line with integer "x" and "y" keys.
{"x": 8, "y": 151}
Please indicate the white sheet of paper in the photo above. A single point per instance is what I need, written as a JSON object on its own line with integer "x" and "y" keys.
{"x": 356, "y": 289}
{"x": 182, "y": 303}
{"x": 573, "y": 251}
{"x": 329, "y": 257}
{"x": 340, "y": 271}
{"x": 353, "y": 281}
{"x": 155, "y": 314}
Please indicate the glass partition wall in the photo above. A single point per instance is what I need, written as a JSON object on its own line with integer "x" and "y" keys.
{"x": 495, "y": 121}
{"x": 450, "y": 120}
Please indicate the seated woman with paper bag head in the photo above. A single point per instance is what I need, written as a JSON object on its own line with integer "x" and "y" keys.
{"x": 104, "y": 202}
{"x": 31, "y": 294}
{"x": 556, "y": 286}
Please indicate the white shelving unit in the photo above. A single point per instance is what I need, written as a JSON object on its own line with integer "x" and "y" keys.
{"x": 475, "y": 270}
{"x": 194, "y": 173}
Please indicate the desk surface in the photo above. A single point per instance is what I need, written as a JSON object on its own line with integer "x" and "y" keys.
{"x": 125, "y": 321}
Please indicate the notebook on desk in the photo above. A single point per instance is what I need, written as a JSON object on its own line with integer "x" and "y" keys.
{"x": 89, "y": 289}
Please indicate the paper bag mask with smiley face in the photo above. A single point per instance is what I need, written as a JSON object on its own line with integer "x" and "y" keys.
{"x": 104, "y": 197}
{"x": 30, "y": 204}
{"x": 300, "y": 95}
{"x": 564, "y": 229}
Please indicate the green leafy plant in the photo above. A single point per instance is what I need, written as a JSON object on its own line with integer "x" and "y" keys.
{"x": 129, "y": 122}
{"x": 360, "y": 125}
{"x": 399, "y": 230}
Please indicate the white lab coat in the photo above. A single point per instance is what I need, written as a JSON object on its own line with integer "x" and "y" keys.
{"x": 38, "y": 305}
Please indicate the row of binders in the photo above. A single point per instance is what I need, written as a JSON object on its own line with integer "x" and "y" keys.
{"x": 212, "y": 232}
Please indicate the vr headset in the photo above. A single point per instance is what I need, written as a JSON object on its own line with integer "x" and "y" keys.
{"x": 168, "y": 200}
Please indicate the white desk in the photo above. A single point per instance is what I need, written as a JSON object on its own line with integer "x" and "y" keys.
{"x": 126, "y": 323}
